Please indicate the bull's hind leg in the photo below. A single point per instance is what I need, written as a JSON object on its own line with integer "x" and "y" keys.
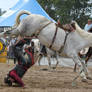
{"x": 88, "y": 76}
{"x": 57, "y": 62}
{"x": 38, "y": 57}
{"x": 84, "y": 64}
{"x": 49, "y": 61}
{"x": 75, "y": 66}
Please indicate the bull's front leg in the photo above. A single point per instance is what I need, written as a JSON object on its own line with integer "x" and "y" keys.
{"x": 39, "y": 59}
{"x": 82, "y": 69}
{"x": 88, "y": 76}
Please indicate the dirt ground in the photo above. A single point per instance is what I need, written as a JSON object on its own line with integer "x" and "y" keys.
{"x": 37, "y": 80}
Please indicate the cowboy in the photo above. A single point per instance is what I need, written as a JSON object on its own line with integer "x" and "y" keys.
{"x": 16, "y": 74}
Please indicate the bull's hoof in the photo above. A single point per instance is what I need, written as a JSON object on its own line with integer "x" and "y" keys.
{"x": 90, "y": 78}
{"x": 84, "y": 80}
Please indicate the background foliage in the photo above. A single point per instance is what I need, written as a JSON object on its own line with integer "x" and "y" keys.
{"x": 67, "y": 10}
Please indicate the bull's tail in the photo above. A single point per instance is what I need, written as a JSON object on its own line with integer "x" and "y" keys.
{"x": 17, "y": 21}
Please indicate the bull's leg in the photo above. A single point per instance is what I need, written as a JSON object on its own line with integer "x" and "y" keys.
{"x": 86, "y": 60}
{"x": 39, "y": 59}
{"x": 49, "y": 61}
{"x": 57, "y": 62}
{"x": 82, "y": 68}
{"x": 75, "y": 67}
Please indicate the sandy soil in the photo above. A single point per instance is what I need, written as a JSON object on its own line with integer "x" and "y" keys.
{"x": 37, "y": 80}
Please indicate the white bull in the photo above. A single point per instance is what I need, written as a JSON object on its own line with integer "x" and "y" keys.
{"x": 44, "y": 29}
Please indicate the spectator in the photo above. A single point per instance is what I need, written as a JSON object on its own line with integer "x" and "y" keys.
{"x": 88, "y": 26}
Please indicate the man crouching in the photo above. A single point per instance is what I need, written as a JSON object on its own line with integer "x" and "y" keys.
{"x": 17, "y": 73}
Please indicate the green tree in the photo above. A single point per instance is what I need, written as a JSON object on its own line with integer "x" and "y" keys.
{"x": 67, "y": 10}
{"x": 48, "y": 7}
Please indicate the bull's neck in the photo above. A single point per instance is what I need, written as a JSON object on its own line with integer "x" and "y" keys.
{"x": 83, "y": 34}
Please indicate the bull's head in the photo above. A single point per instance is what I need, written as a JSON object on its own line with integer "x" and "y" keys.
{"x": 12, "y": 32}
{"x": 73, "y": 24}
{"x": 5, "y": 33}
